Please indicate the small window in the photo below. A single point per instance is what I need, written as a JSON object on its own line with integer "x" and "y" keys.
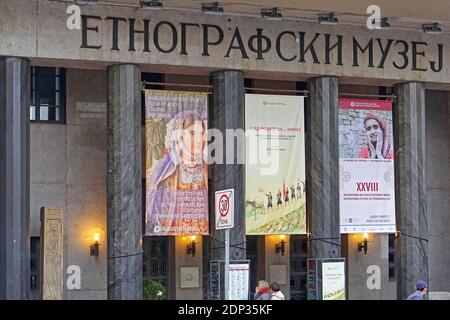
{"x": 305, "y": 246}
{"x": 47, "y": 94}
{"x": 150, "y": 77}
{"x": 35, "y": 267}
{"x": 391, "y": 257}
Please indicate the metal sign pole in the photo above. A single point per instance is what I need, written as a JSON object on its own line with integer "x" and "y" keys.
{"x": 227, "y": 262}
{"x": 224, "y": 200}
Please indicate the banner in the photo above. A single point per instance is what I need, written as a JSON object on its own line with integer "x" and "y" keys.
{"x": 275, "y": 188}
{"x": 366, "y": 166}
{"x": 176, "y": 169}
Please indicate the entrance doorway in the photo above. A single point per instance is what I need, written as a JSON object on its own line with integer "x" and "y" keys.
{"x": 155, "y": 259}
{"x": 299, "y": 257}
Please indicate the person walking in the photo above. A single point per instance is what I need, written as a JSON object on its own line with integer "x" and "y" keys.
{"x": 276, "y": 293}
{"x": 269, "y": 201}
{"x": 299, "y": 190}
{"x": 262, "y": 291}
{"x": 421, "y": 291}
{"x": 279, "y": 203}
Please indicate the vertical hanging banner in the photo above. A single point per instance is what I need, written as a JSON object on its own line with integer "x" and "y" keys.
{"x": 275, "y": 188}
{"x": 176, "y": 169}
{"x": 366, "y": 166}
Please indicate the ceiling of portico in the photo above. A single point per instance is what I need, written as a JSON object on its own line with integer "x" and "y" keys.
{"x": 401, "y": 13}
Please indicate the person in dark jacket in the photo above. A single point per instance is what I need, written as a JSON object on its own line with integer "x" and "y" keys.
{"x": 421, "y": 291}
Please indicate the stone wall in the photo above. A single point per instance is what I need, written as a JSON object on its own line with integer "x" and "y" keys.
{"x": 438, "y": 188}
{"x": 351, "y": 140}
{"x": 32, "y": 30}
{"x": 68, "y": 170}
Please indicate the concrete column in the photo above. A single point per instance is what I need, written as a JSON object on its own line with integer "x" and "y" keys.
{"x": 322, "y": 172}
{"x": 410, "y": 180}
{"x": 124, "y": 184}
{"x": 227, "y": 112}
{"x": 14, "y": 178}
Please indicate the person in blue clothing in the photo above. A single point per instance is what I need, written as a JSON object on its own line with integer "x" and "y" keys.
{"x": 421, "y": 291}
{"x": 262, "y": 290}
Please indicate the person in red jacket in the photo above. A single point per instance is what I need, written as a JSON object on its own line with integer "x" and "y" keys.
{"x": 377, "y": 145}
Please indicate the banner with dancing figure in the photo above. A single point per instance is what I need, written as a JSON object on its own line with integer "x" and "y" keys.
{"x": 275, "y": 186}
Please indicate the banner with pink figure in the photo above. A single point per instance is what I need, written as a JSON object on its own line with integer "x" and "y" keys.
{"x": 366, "y": 166}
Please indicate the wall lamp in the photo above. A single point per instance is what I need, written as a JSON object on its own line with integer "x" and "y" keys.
{"x": 432, "y": 28}
{"x": 212, "y": 8}
{"x": 327, "y": 18}
{"x": 271, "y": 14}
{"x": 384, "y": 24}
{"x": 280, "y": 246}
{"x": 95, "y": 247}
{"x": 85, "y": 2}
{"x": 190, "y": 247}
{"x": 364, "y": 245}
{"x": 151, "y": 4}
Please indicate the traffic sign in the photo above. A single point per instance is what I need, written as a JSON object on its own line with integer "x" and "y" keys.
{"x": 225, "y": 209}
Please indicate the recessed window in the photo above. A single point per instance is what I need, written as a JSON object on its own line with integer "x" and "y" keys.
{"x": 391, "y": 257}
{"x": 47, "y": 89}
{"x": 35, "y": 264}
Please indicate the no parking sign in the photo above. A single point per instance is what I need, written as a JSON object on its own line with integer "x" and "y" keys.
{"x": 225, "y": 209}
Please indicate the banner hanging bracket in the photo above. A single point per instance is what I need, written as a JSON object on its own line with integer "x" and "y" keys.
{"x": 201, "y": 88}
{"x": 303, "y": 93}
{"x": 390, "y": 97}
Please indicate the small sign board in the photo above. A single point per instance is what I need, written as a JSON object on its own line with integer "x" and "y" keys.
{"x": 224, "y": 209}
{"x": 326, "y": 279}
{"x": 239, "y": 281}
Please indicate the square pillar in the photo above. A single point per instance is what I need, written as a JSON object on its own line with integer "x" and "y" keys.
{"x": 227, "y": 112}
{"x": 322, "y": 167}
{"x": 124, "y": 183}
{"x": 410, "y": 180}
{"x": 14, "y": 178}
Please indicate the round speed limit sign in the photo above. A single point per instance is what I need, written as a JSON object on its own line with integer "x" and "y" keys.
{"x": 224, "y": 205}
